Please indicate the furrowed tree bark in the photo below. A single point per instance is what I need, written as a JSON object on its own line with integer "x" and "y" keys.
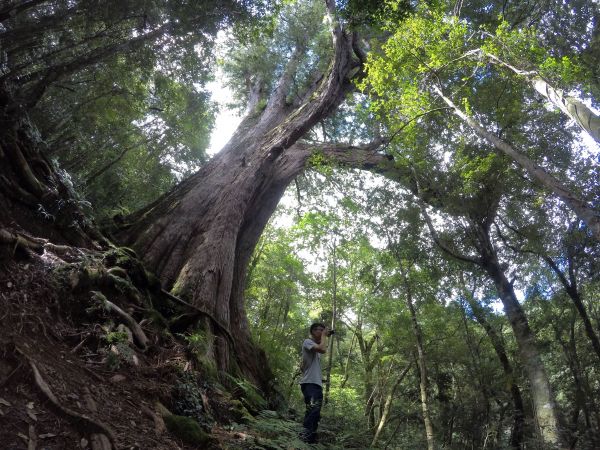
{"x": 584, "y": 211}
{"x": 199, "y": 237}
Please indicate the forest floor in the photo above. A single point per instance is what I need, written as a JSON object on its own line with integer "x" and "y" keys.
{"x": 72, "y": 376}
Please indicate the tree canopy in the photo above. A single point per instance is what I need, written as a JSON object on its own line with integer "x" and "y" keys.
{"x": 439, "y": 168}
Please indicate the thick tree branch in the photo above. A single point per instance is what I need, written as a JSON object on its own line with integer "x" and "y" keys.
{"x": 586, "y": 213}
{"x": 572, "y": 107}
{"x": 277, "y": 100}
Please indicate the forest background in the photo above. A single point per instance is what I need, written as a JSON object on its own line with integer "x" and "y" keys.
{"x": 440, "y": 163}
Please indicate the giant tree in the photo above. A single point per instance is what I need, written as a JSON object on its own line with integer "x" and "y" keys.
{"x": 199, "y": 237}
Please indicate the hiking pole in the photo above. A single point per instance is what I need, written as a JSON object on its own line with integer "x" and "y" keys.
{"x": 334, "y": 312}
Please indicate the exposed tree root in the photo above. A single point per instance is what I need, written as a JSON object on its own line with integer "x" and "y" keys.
{"x": 196, "y": 313}
{"x": 159, "y": 423}
{"x": 82, "y": 423}
{"x": 100, "y": 442}
{"x": 32, "y": 444}
{"x": 21, "y": 241}
{"x": 37, "y": 245}
{"x": 138, "y": 333}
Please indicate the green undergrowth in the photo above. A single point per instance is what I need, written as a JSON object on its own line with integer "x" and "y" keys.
{"x": 247, "y": 393}
{"x": 269, "y": 431}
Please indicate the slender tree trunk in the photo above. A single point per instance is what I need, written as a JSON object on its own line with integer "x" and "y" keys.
{"x": 584, "y": 211}
{"x": 570, "y": 286}
{"x": 582, "y": 390}
{"x": 333, "y": 319}
{"x": 347, "y": 366}
{"x": 423, "y": 383}
{"x": 546, "y": 411}
{"x": 388, "y": 404}
{"x": 479, "y": 428}
{"x": 516, "y": 435}
{"x": 366, "y": 347}
{"x": 570, "y": 106}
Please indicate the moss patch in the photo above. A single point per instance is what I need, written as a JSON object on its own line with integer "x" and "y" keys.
{"x": 187, "y": 429}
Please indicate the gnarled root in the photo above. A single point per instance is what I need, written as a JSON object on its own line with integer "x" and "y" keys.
{"x": 138, "y": 333}
{"x": 35, "y": 244}
{"x": 104, "y": 437}
{"x": 21, "y": 241}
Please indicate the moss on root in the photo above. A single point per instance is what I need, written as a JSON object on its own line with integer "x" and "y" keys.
{"x": 186, "y": 429}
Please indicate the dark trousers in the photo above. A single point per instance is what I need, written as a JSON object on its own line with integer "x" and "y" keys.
{"x": 313, "y": 398}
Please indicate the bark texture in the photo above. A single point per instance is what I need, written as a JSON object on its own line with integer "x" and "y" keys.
{"x": 572, "y": 107}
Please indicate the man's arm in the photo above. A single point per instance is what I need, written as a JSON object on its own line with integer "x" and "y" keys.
{"x": 322, "y": 346}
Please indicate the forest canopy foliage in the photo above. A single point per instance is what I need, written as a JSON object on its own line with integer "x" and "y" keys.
{"x": 443, "y": 209}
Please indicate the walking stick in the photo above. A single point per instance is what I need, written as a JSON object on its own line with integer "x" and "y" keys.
{"x": 333, "y": 317}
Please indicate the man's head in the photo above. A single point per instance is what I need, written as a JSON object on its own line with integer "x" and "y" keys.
{"x": 316, "y": 330}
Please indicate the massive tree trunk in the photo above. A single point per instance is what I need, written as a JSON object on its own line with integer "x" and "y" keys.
{"x": 199, "y": 237}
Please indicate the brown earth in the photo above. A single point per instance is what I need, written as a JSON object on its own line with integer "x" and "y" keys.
{"x": 90, "y": 393}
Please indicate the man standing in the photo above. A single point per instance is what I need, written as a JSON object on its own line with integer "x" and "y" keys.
{"x": 311, "y": 382}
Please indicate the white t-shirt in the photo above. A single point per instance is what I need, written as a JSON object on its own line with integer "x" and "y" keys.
{"x": 311, "y": 364}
